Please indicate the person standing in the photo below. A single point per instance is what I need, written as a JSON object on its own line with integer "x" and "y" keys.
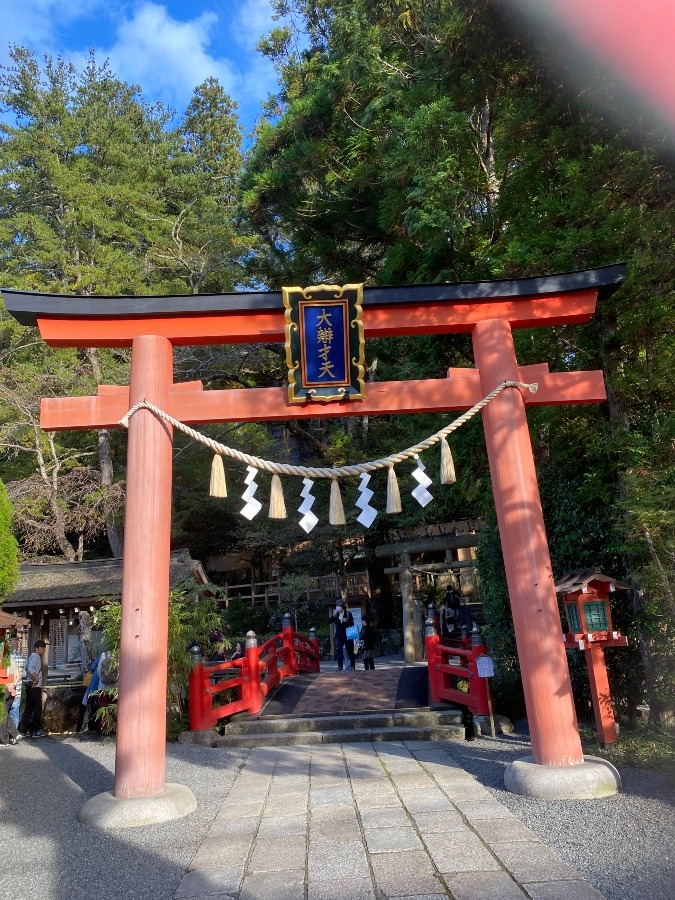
{"x": 19, "y": 665}
{"x": 368, "y": 637}
{"x": 343, "y": 619}
{"x": 31, "y": 720}
{"x": 8, "y": 729}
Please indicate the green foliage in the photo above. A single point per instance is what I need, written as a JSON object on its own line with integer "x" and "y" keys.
{"x": 9, "y": 564}
{"x": 498, "y": 630}
{"x": 193, "y": 617}
{"x": 644, "y": 747}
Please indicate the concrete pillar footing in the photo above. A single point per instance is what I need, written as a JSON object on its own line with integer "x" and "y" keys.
{"x": 589, "y": 780}
{"x": 107, "y": 811}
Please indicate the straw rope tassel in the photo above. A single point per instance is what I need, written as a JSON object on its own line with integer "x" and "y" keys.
{"x": 336, "y": 515}
{"x": 393, "y": 493}
{"x": 277, "y": 503}
{"x": 447, "y": 464}
{"x": 218, "y": 487}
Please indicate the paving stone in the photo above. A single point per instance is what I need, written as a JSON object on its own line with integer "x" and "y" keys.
{"x": 392, "y": 840}
{"x": 411, "y": 862}
{"x": 372, "y": 784}
{"x": 459, "y": 852}
{"x": 499, "y": 831}
{"x": 426, "y": 799}
{"x": 343, "y": 830}
{"x": 231, "y": 825}
{"x": 240, "y": 810}
{"x": 205, "y": 882}
{"x": 448, "y": 772}
{"x": 342, "y": 888}
{"x": 563, "y": 890}
{"x": 286, "y": 805}
{"x": 329, "y": 814}
{"x": 382, "y": 800}
{"x": 278, "y": 825}
{"x": 412, "y": 780}
{"x": 533, "y": 862}
{"x": 483, "y": 809}
{"x": 465, "y": 790}
{"x": 442, "y": 896}
{"x": 274, "y": 886}
{"x": 407, "y": 885}
{"x": 329, "y": 861}
{"x": 330, "y": 796}
{"x": 384, "y": 817}
{"x": 278, "y": 854}
{"x": 438, "y": 821}
{"x": 222, "y": 851}
{"x": 484, "y": 886}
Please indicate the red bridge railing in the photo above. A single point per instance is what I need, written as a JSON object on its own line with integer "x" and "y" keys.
{"x": 453, "y": 661}
{"x": 252, "y": 678}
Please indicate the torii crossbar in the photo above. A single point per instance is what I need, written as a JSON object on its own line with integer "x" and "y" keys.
{"x": 152, "y": 326}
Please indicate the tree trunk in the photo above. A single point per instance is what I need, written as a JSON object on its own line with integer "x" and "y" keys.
{"x": 114, "y": 528}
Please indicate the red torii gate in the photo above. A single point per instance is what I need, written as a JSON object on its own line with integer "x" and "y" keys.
{"x": 151, "y": 326}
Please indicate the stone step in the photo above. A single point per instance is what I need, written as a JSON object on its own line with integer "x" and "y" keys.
{"x": 244, "y": 724}
{"x": 344, "y": 735}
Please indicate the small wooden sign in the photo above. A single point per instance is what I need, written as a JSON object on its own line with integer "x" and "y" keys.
{"x": 325, "y": 347}
{"x": 485, "y": 667}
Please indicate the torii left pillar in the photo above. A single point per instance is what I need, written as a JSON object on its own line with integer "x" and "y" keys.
{"x": 141, "y": 751}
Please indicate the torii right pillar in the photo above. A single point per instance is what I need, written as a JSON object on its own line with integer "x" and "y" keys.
{"x": 557, "y": 768}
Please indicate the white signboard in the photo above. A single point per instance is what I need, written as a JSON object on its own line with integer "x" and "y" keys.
{"x": 485, "y": 667}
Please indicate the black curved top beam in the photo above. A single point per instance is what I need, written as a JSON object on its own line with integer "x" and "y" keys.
{"x": 28, "y": 306}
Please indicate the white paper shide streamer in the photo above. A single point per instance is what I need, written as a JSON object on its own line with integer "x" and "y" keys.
{"x": 421, "y": 494}
{"x": 368, "y": 512}
{"x": 308, "y": 520}
{"x": 253, "y": 506}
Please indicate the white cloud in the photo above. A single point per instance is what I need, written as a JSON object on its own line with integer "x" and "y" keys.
{"x": 167, "y": 48}
{"x": 166, "y": 57}
{"x": 253, "y": 20}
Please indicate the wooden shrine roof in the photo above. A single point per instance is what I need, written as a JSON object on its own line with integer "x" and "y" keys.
{"x": 28, "y": 306}
{"x": 57, "y": 583}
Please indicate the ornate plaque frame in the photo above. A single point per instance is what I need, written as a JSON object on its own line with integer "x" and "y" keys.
{"x": 325, "y": 345}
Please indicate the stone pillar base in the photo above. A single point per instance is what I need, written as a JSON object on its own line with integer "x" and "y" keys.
{"x": 591, "y": 779}
{"x": 107, "y": 811}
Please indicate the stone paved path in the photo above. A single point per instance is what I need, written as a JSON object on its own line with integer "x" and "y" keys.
{"x": 370, "y": 822}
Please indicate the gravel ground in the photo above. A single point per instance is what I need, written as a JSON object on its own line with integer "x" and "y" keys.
{"x": 623, "y": 845}
{"x": 49, "y": 854}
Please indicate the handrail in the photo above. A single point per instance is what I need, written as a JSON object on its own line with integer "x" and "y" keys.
{"x": 259, "y": 672}
{"x": 445, "y": 675}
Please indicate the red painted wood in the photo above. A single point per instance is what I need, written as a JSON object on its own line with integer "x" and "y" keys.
{"x": 141, "y": 723}
{"x": 545, "y": 675}
{"x": 379, "y": 321}
{"x": 600, "y": 693}
{"x": 459, "y": 392}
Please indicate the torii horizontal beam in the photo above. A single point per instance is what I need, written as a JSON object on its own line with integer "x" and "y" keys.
{"x": 259, "y": 317}
{"x": 189, "y": 404}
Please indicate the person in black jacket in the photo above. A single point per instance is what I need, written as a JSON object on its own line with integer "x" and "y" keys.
{"x": 343, "y": 619}
{"x": 368, "y": 636}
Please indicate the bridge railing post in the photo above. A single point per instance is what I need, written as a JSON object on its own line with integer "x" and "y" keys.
{"x": 291, "y": 662}
{"x": 253, "y": 671}
{"x": 196, "y": 689}
{"x": 432, "y": 640}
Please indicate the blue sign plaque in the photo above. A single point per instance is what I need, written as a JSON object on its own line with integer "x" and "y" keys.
{"x": 324, "y": 343}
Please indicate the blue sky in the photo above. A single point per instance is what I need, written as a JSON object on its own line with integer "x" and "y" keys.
{"x": 165, "y": 46}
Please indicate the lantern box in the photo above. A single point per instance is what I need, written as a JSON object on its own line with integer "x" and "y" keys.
{"x": 585, "y": 594}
